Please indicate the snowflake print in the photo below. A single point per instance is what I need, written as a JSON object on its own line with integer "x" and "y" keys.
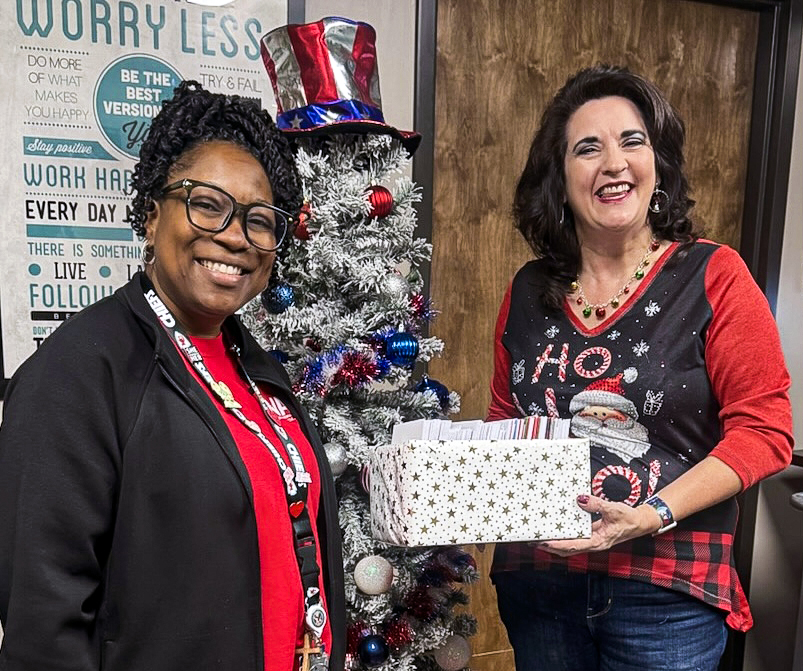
{"x": 552, "y": 331}
{"x": 534, "y": 409}
{"x": 652, "y": 309}
{"x": 613, "y": 335}
{"x": 641, "y": 348}
{"x": 518, "y": 372}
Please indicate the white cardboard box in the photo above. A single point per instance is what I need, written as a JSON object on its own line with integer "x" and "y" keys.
{"x": 458, "y": 492}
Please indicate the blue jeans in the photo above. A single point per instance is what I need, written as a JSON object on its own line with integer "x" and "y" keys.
{"x": 560, "y": 621}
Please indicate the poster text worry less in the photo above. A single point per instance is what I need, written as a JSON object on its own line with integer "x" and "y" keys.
{"x": 204, "y": 32}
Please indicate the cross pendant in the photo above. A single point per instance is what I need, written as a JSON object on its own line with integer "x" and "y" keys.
{"x": 305, "y": 651}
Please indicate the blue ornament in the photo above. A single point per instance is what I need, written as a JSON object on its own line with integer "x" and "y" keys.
{"x": 373, "y": 650}
{"x": 279, "y": 355}
{"x": 278, "y": 298}
{"x": 440, "y": 390}
{"x": 401, "y": 349}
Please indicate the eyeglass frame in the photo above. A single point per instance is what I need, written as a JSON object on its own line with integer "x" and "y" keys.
{"x": 189, "y": 184}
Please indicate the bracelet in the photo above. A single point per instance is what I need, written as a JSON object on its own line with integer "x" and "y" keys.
{"x": 667, "y": 520}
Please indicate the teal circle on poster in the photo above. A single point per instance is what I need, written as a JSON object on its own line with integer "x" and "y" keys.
{"x": 128, "y": 94}
{"x": 34, "y": 269}
{"x": 104, "y": 271}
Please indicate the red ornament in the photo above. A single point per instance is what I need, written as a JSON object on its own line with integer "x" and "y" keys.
{"x": 301, "y": 231}
{"x": 600, "y": 312}
{"x": 422, "y": 307}
{"x": 421, "y": 605}
{"x": 356, "y": 370}
{"x": 398, "y": 633}
{"x": 462, "y": 567}
{"x": 354, "y": 634}
{"x": 381, "y": 201}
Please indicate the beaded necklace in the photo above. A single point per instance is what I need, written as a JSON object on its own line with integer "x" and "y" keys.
{"x": 600, "y": 309}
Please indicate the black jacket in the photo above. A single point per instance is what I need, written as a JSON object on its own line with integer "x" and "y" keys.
{"x": 128, "y": 538}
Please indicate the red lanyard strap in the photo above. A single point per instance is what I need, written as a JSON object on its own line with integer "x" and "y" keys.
{"x": 294, "y": 475}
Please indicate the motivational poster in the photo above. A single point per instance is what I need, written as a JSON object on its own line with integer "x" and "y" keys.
{"x": 82, "y": 81}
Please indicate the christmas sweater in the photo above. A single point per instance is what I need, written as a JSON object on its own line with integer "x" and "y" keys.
{"x": 690, "y": 366}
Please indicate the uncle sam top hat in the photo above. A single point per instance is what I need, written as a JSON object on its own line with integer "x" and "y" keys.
{"x": 326, "y": 79}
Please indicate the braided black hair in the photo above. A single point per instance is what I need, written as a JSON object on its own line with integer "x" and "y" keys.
{"x": 194, "y": 116}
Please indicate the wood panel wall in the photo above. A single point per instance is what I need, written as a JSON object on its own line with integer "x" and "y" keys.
{"x": 498, "y": 63}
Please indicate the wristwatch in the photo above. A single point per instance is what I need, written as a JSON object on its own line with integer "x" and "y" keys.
{"x": 667, "y": 520}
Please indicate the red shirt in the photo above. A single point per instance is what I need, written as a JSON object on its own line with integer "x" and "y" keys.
{"x": 282, "y": 595}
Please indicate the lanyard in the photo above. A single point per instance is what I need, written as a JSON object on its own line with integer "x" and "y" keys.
{"x": 295, "y": 475}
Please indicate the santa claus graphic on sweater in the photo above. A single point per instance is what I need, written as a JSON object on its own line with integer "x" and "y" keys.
{"x": 603, "y": 414}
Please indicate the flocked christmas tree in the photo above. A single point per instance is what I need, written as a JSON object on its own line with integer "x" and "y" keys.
{"x": 347, "y": 315}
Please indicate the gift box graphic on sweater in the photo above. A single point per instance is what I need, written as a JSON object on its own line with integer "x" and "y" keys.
{"x": 457, "y": 492}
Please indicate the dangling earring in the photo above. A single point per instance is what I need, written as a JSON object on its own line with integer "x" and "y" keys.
{"x": 146, "y": 253}
{"x": 562, "y": 214}
{"x": 658, "y": 200}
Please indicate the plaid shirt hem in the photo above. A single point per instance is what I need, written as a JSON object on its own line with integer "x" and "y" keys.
{"x": 697, "y": 563}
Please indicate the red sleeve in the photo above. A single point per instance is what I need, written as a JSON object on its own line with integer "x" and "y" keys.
{"x": 502, "y": 406}
{"x": 747, "y": 371}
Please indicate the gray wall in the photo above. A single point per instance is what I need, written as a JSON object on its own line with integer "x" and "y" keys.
{"x": 778, "y": 556}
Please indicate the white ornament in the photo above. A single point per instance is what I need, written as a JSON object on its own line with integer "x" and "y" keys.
{"x": 336, "y": 454}
{"x": 454, "y": 654}
{"x": 396, "y": 285}
{"x": 373, "y": 575}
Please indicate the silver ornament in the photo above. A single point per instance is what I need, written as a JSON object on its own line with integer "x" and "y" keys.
{"x": 336, "y": 454}
{"x": 396, "y": 285}
{"x": 454, "y": 654}
{"x": 373, "y": 575}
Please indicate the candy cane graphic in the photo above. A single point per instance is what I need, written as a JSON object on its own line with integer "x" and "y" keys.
{"x": 655, "y": 473}
{"x": 624, "y": 471}
{"x": 551, "y": 402}
{"x": 599, "y": 370}
{"x": 562, "y": 362}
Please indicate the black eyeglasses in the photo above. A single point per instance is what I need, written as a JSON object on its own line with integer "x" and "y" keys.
{"x": 212, "y": 209}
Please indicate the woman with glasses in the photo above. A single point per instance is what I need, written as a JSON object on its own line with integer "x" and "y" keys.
{"x": 167, "y": 504}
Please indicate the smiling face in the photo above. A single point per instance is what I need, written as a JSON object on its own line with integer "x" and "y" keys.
{"x": 205, "y": 277}
{"x": 609, "y": 167}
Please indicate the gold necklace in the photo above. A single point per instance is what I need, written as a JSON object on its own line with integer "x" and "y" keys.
{"x": 600, "y": 309}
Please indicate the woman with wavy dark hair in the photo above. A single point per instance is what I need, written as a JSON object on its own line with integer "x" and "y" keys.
{"x": 662, "y": 351}
{"x": 167, "y": 503}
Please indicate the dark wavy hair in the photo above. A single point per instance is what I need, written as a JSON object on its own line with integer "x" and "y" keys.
{"x": 194, "y": 116}
{"x": 538, "y": 205}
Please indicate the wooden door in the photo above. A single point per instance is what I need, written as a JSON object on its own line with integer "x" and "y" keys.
{"x": 498, "y": 62}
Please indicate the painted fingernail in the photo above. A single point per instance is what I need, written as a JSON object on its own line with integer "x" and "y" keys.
{"x": 583, "y": 498}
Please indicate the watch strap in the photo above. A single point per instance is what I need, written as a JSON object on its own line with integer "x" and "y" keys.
{"x": 667, "y": 519}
